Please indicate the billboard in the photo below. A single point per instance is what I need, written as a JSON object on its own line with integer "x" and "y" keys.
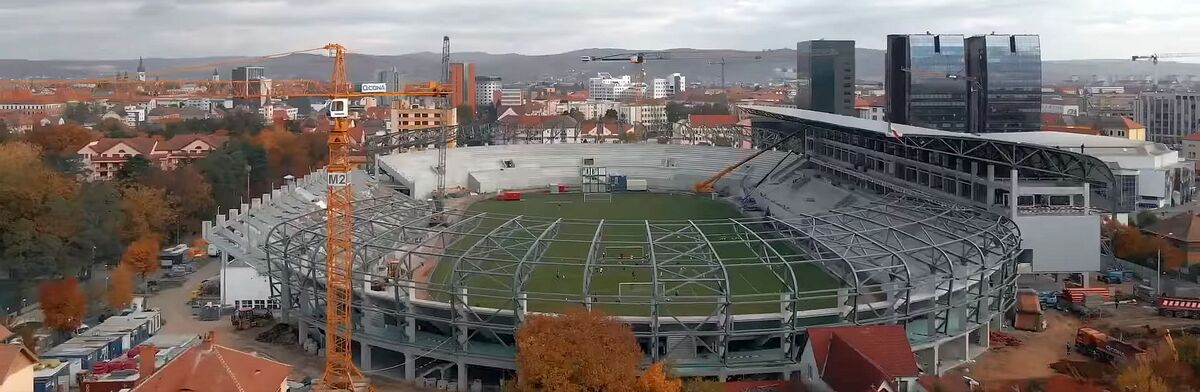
{"x": 373, "y": 88}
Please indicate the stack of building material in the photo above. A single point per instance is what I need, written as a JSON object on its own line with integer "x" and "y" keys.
{"x": 1029, "y": 316}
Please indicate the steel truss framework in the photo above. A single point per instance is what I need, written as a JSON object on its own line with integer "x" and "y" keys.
{"x": 942, "y": 268}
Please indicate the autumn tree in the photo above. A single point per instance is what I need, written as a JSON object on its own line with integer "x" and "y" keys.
{"x": 39, "y": 214}
{"x": 141, "y": 256}
{"x": 702, "y": 385}
{"x": 1140, "y": 378}
{"x": 226, "y": 171}
{"x": 579, "y": 350}
{"x": 120, "y": 287}
{"x": 146, "y": 212}
{"x": 61, "y": 140}
{"x": 189, "y": 195}
{"x": 656, "y": 379}
{"x": 63, "y": 303}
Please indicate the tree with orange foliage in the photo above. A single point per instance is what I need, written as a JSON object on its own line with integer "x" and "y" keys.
{"x": 576, "y": 351}
{"x": 141, "y": 256}
{"x": 120, "y": 287}
{"x": 63, "y": 304}
{"x": 656, "y": 379}
{"x": 146, "y": 212}
{"x": 61, "y": 140}
{"x": 1140, "y": 378}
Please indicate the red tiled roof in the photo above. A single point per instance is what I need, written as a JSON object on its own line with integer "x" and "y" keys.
{"x": 1130, "y": 124}
{"x": 143, "y": 145}
{"x": 869, "y": 101}
{"x": 214, "y": 368}
{"x": 181, "y": 141}
{"x": 378, "y": 112}
{"x": 712, "y": 120}
{"x": 1195, "y": 137}
{"x": 1184, "y": 226}
{"x": 581, "y": 95}
{"x": 857, "y": 358}
{"x": 10, "y": 354}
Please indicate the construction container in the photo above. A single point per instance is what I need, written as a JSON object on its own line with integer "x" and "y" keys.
{"x": 636, "y": 185}
{"x": 618, "y": 183}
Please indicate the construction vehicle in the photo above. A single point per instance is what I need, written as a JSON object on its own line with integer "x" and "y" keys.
{"x": 1104, "y": 348}
{"x": 1178, "y": 307}
{"x": 706, "y": 186}
{"x": 1112, "y": 276}
{"x": 245, "y": 318}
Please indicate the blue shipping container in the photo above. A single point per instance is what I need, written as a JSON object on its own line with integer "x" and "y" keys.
{"x": 618, "y": 183}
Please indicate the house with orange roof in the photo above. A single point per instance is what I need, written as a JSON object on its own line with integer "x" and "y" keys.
{"x": 870, "y": 107}
{"x": 16, "y": 368}
{"x": 210, "y": 367}
{"x": 1191, "y": 146}
{"x": 104, "y": 157}
{"x": 875, "y": 358}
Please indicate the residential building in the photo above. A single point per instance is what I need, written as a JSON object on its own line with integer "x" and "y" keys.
{"x": 1168, "y": 116}
{"x": 605, "y": 87}
{"x": 463, "y": 86}
{"x": 251, "y": 86}
{"x": 16, "y": 368}
{"x": 511, "y": 97}
{"x": 859, "y": 358}
{"x": 825, "y": 76}
{"x": 660, "y": 88}
{"x": 169, "y": 114}
{"x": 485, "y": 90}
{"x": 920, "y": 91}
{"x": 646, "y": 114}
{"x": 392, "y": 78}
{"x": 1059, "y": 104}
{"x": 1110, "y": 104}
{"x": 1005, "y": 72}
{"x": 52, "y": 109}
{"x": 1178, "y": 230}
{"x": 599, "y": 132}
{"x": 210, "y": 367}
{"x": 407, "y": 117}
{"x": 550, "y": 129}
{"x": 1191, "y": 146}
{"x": 104, "y": 157}
{"x": 712, "y": 129}
{"x": 677, "y": 83}
{"x": 870, "y": 107}
{"x": 1122, "y": 127}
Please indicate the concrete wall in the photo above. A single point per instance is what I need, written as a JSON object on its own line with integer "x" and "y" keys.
{"x": 243, "y": 283}
{"x": 1062, "y": 243}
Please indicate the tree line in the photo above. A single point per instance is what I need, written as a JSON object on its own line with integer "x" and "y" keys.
{"x": 57, "y": 226}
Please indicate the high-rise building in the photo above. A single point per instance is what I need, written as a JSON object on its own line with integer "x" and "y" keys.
{"x": 463, "y": 88}
{"x": 925, "y": 78}
{"x": 249, "y": 83}
{"x": 659, "y": 88}
{"x": 825, "y": 71}
{"x": 605, "y": 87}
{"x": 1168, "y": 117}
{"x": 485, "y": 90}
{"x": 394, "y": 84}
{"x": 678, "y": 83}
{"x": 1005, "y": 73}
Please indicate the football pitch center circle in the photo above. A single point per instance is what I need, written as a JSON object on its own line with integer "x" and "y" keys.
{"x": 686, "y": 254}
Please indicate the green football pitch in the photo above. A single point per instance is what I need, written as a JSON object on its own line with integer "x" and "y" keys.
{"x": 753, "y": 288}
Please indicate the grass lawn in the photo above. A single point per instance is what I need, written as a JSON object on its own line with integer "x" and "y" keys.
{"x": 754, "y": 289}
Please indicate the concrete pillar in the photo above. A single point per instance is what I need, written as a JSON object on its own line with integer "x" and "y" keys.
{"x": 224, "y": 263}
{"x": 364, "y": 357}
{"x": 1086, "y": 277}
{"x": 1015, "y": 196}
{"x": 302, "y": 332}
{"x": 991, "y": 186}
{"x": 1087, "y": 198}
{"x": 410, "y": 365}
{"x": 966, "y": 346}
{"x": 937, "y": 361}
{"x": 462, "y": 376}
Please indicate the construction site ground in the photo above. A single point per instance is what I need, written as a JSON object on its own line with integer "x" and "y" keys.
{"x": 1044, "y": 354}
{"x": 173, "y": 304}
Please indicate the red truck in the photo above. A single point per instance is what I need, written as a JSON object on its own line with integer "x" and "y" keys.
{"x": 1104, "y": 348}
{"x": 1178, "y": 307}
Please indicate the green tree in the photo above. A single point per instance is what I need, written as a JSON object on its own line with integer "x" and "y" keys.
{"x": 101, "y": 220}
{"x": 226, "y": 171}
{"x": 464, "y": 115}
{"x": 134, "y": 170}
{"x": 39, "y": 212}
{"x": 113, "y": 128}
{"x": 1146, "y": 218}
{"x": 676, "y": 111}
{"x": 81, "y": 113}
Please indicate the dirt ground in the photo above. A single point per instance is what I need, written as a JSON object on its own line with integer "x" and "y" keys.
{"x": 1033, "y": 358}
{"x": 172, "y": 303}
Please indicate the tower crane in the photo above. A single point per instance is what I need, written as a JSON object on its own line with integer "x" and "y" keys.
{"x": 1154, "y": 61}
{"x": 340, "y": 374}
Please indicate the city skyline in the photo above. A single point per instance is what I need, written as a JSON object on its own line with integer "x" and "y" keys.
{"x": 172, "y": 28}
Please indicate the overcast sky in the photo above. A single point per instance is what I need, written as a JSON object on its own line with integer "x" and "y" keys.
{"x": 111, "y": 29}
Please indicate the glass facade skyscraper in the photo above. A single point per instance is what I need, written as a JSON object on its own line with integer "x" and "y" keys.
{"x": 1006, "y": 78}
{"x": 920, "y": 81}
{"x": 825, "y": 76}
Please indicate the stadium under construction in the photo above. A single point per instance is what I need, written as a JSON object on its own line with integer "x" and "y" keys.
{"x": 847, "y": 222}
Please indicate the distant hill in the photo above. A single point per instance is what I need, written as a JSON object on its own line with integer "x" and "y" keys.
{"x": 694, "y": 63}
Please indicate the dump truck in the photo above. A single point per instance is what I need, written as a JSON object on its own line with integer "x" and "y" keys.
{"x": 1178, "y": 307}
{"x": 1104, "y": 348}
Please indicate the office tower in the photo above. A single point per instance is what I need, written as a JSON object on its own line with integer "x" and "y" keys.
{"x": 392, "y": 79}
{"x": 678, "y": 83}
{"x": 485, "y": 90}
{"x": 825, "y": 74}
{"x": 1168, "y": 116}
{"x": 605, "y": 87}
{"x": 1005, "y": 76}
{"x": 249, "y": 86}
{"x": 925, "y": 79}
{"x": 462, "y": 86}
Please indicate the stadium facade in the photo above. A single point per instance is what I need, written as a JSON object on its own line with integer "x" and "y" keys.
{"x": 913, "y": 226}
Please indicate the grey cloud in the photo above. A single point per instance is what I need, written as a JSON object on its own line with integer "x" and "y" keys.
{"x": 61, "y": 29}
